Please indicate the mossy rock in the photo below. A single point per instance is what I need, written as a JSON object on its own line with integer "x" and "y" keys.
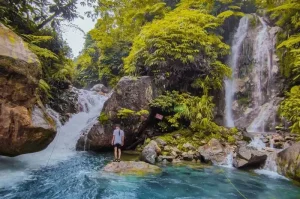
{"x": 131, "y": 168}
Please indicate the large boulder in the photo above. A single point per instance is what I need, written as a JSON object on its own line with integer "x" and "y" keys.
{"x": 213, "y": 152}
{"x": 150, "y": 152}
{"x": 131, "y": 167}
{"x": 288, "y": 162}
{"x": 249, "y": 157}
{"x": 20, "y": 70}
{"x": 128, "y": 106}
{"x": 96, "y": 139}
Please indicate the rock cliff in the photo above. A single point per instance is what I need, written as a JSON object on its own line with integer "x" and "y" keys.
{"x": 19, "y": 75}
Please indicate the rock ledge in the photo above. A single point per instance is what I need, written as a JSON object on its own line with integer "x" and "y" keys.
{"x": 131, "y": 167}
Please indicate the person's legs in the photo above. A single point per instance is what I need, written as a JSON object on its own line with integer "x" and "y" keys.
{"x": 119, "y": 154}
{"x": 116, "y": 152}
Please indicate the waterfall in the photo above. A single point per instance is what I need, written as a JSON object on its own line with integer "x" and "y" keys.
{"x": 263, "y": 66}
{"x": 229, "y": 160}
{"x": 270, "y": 164}
{"x": 270, "y": 167}
{"x": 250, "y": 93}
{"x": 237, "y": 42}
{"x": 63, "y": 145}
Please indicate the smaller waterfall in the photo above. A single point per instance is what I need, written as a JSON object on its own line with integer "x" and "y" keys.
{"x": 62, "y": 147}
{"x": 271, "y": 162}
{"x": 229, "y": 160}
{"x": 257, "y": 143}
{"x": 270, "y": 167}
{"x": 237, "y": 42}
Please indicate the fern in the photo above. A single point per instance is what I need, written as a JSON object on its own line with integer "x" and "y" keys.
{"x": 34, "y": 39}
{"x": 43, "y": 52}
{"x": 290, "y": 42}
{"x": 44, "y": 88}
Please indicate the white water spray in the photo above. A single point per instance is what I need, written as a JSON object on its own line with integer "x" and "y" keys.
{"x": 257, "y": 143}
{"x": 237, "y": 42}
{"x": 63, "y": 146}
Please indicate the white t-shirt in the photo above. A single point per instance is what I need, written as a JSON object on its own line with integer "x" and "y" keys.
{"x": 118, "y": 133}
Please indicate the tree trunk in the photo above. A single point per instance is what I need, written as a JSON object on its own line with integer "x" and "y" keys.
{"x": 41, "y": 25}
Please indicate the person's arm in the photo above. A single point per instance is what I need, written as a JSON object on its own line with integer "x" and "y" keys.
{"x": 123, "y": 139}
{"x": 113, "y": 140}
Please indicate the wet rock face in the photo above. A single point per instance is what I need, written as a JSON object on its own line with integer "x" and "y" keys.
{"x": 249, "y": 157}
{"x": 288, "y": 162}
{"x": 96, "y": 139}
{"x": 19, "y": 74}
{"x": 65, "y": 102}
{"x": 100, "y": 88}
{"x": 130, "y": 93}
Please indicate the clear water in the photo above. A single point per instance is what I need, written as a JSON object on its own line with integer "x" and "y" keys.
{"x": 81, "y": 177}
{"x": 59, "y": 172}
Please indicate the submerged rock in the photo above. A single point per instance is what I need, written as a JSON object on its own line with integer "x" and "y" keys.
{"x": 130, "y": 167}
{"x": 249, "y": 157}
{"x": 20, "y": 71}
{"x": 288, "y": 162}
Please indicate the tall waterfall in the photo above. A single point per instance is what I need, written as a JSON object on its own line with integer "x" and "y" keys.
{"x": 250, "y": 94}
{"x": 62, "y": 147}
{"x": 237, "y": 42}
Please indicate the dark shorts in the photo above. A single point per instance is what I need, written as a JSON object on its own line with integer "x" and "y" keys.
{"x": 118, "y": 146}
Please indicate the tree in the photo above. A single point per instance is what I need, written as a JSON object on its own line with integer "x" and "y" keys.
{"x": 182, "y": 49}
{"x": 112, "y": 37}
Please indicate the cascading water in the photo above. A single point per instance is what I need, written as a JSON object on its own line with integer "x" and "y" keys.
{"x": 263, "y": 66}
{"x": 63, "y": 146}
{"x": 237, "y": 42}
{"x": 257, "y": 143}
{"x": 229, "y": 160}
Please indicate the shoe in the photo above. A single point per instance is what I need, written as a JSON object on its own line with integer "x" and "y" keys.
{"x": 115, "y": 160}
{"x": 118, "y": 160}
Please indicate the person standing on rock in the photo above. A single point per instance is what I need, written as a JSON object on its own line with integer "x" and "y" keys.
{"x": 117, "y": 142}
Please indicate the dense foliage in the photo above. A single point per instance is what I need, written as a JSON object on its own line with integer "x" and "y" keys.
{"x": 178, "y": 43}
{"x": 110, "y": 41}
{"x": 38, "y": 23}
{"x": 189, "y": 116}
{"x": 127, "y": 26}
{"x": 290, "y": 108}
{"x": 185, "y": 110}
